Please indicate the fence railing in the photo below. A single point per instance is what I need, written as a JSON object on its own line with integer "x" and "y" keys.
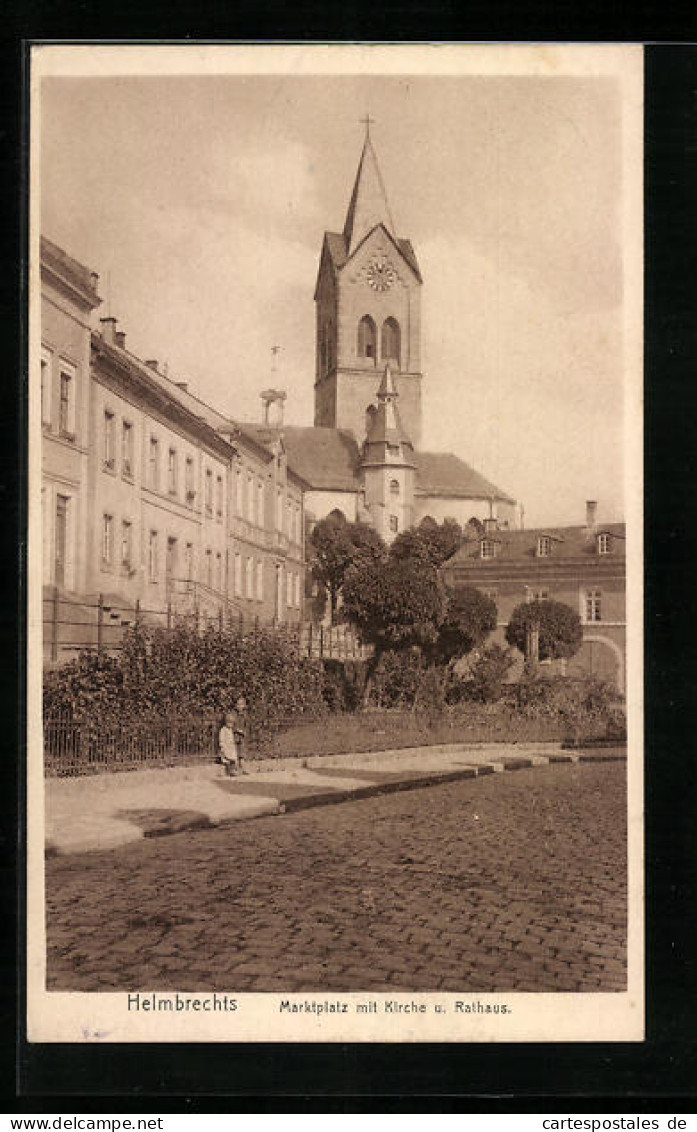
{"x": 80, "y": 747}
{"x": 74, "y": 748}
{"x": 71, "y": 626}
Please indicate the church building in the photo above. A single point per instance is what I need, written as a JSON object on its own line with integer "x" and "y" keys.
{"x": 363, "y": 455}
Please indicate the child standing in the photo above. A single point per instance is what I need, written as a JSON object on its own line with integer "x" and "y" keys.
{"x": 232, "y": 738}
{"x": 239, "y": 730}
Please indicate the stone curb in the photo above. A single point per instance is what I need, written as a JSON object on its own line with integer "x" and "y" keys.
{"x": 200, "y": 820}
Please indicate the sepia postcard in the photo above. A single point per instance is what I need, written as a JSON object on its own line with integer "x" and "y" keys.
{"x": 335, "y": 717}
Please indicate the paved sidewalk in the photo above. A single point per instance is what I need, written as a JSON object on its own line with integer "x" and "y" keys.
{"x": 109, "y": 810}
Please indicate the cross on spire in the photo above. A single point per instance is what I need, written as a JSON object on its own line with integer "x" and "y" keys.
{"x": 367, "y": 122}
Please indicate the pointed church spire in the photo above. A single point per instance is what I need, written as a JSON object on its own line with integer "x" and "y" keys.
{"x": 387, "y": 387}
{"x": 368, "y": 206}
{"x": 385, "y": 425}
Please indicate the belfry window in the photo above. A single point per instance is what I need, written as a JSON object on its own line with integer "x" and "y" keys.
{"x": 390, "y": 341}
{"x": 366, "y": 338}
{"x": 394, "y": 487}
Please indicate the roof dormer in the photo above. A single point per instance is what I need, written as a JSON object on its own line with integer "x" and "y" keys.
{"x": 544, "y": 546}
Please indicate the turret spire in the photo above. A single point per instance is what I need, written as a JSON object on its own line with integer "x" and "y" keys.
{"x": 368, "y": 206}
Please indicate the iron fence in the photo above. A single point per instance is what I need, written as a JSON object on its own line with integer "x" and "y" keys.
{"x": 71, "y": 626}
{"x": 74, "y": 747}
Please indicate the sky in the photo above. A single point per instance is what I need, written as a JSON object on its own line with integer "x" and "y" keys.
{"x": 202, "y": 201}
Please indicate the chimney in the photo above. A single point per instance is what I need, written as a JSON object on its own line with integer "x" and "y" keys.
{"x": 151, "y": 363}
{"x": 120, "y": 339}
{"x": 182, "y": 385}
{"x": 591, "y": 511}
{"x": 108, "y": 329}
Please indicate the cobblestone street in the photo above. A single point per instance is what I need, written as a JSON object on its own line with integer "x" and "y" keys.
{"x": 513, "y": 881}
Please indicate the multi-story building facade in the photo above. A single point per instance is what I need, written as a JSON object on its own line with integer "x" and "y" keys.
{"x": 68, "y": 299}
{"x": 583, "y": 566}
{"x": 151, "y": 498}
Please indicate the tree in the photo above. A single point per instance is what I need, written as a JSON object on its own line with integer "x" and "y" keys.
{"x": 469, "y": 618}
{"x": 335, "y": 544}
{"x": 395, "y": 604}
{"x": 430, "y": 540}
{"x": 559, "y": 626}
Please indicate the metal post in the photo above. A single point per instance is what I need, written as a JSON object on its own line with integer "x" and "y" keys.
{"x": 220, "y": 619}
{"x": 100, "y": 611}
{"x": 54, "y": 627}
{"x": 137, "y": 613}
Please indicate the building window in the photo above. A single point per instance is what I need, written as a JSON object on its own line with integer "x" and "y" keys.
{"x": 366, "y": 338}
{"x": 46, "y": 387}
{"x": 289, "y": 589}
{"x": 393, "y": 449}
{"x": 394, "y": 487}
{"x": 154, "y": 463}
{"x": 603, "y": 544}
{"x": 544, "y": 546}
{"x": 126, "y": 544}
{"x": 108, "y": 445}
{"x": 260, "y": 503}
{"x": 260, "y": 581}
{"x": 488, "y": 548}
{"x": 394, "y": 523}
{"x": 209, "y": 568}
{"x": 172, "y": 472}
{"x": 209, "y": 491}
{"x": 189, "y": 480}
{"x": 250, "y": 578}
{"x": 238, "y": 491}
{"x": 171, "y": 560}
{"x": 127, "y": 449}
{"x": 492, "y": 594}
{"x": 539, "y": 595}
{"x": 279, "y": 510}
{"x": 189, "y": 561}
{"x": 593, "y": 607}
{"x": 296, "y": 585}
{"x": 238, "y": 575}
{"x": 219, "y": 498}
{"x": 107, "y": 536}
{"x": 61, "y": 539}
{"x": 390, "y": 341}
{"x": 66, "y": 412}
{"x": 153, "y": 556}
{"x": 219, "y": 571}
{"x": 250, "y": 497}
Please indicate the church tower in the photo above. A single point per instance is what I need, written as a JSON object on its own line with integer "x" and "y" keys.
{"x": 368, "y": 303}
{"x": 387, "y": 464}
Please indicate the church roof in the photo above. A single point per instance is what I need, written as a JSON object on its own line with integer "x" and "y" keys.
{"x": 328, "y": 459}
{"x": 368, "y": 206}
{"x": 443, "y": 474}
{"x": 337, "y": 247}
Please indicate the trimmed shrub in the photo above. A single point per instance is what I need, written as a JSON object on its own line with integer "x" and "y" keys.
{"x": 161, "y": 673}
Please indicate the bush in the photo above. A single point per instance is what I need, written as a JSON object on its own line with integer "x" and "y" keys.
{"x": 488, "y": 672}
{"x": 588, "y": 708}
{"x": 397, "y": 679}
{"x": 161, "y": 673}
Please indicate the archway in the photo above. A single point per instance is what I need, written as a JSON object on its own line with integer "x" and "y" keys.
{"x": 600, "y": 656}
